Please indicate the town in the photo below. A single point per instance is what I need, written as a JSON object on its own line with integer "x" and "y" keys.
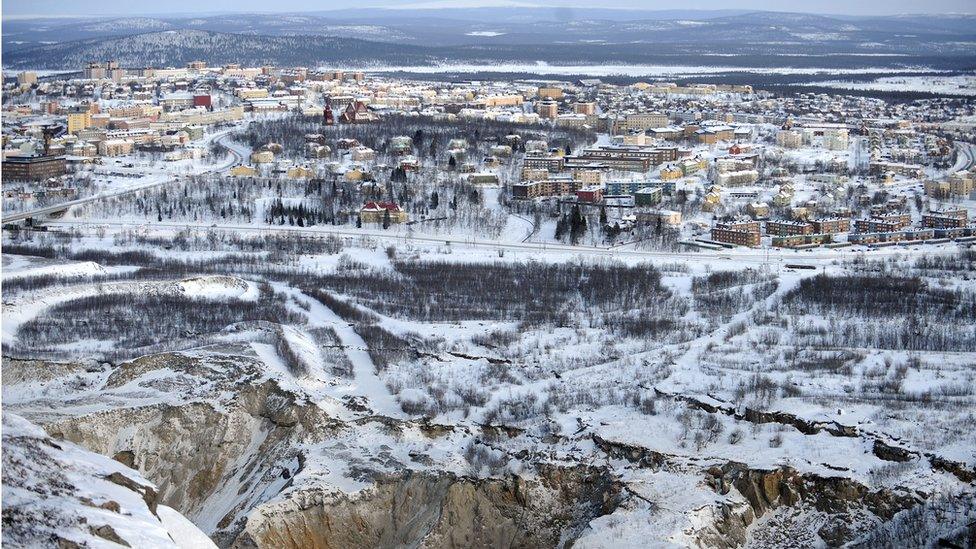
{"x": 488, "y": 274}
{"x": 647, "y": 165}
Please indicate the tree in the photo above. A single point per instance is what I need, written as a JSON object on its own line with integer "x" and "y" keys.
{"x": 577, "y": 224}
{"x": 603, "y": 215}
{"x": 434, "y": 200}
{"x": 359, "y": 222}
{"x": 560, "y": 227}
{"x": 386, "y": 219}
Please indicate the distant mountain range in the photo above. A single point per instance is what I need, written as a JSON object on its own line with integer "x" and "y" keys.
{"x": 406, "y": 37}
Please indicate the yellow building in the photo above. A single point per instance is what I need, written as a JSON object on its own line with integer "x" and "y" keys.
{"x": 243, "y": 171}
{"x": 262, "y": 157}
{"x": 78, "y": 121}
{"x": 712, "y": 201}
{"x": 252, "y": 93}
{"x": 300, "y": 172}
{"x": 375, "y": 212}
{"x": 550, "y": 93}
{"x": 669, "y": 173}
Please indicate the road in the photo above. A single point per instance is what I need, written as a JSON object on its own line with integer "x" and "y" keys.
{"x": 235, "y": 159}
{"x": 966, "y": 160}
{"x": 742, "y": 255}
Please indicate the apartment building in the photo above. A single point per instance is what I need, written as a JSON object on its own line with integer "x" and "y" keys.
{"x": 546, "y": 162}
{"x": 638, "y": 159}
{"x": 740, "y": 233}
{"x": 556, "y": 185}
{"x": 831, "y": 225}
{"x": 957, "y": 184}
{"x": 788, "y": 228}
{"x": 946, "y": 219}
{"x": 33, "y": 168}
{"x": 550, "y": 92}
{"x": 644, "y": 121}
{"x": 883, "y": 223}
{"x": 789, "y": 139}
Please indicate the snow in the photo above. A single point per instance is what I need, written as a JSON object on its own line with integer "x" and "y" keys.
{"x": 54, "y": 481}
{"x": 219, "y": 287}
{"x": 955, "y": 85}
{"x": 613, "y": 70}
{"x": 184, "y": 533}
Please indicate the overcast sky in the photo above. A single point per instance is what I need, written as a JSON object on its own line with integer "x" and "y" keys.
{"x": 140, "y": 7}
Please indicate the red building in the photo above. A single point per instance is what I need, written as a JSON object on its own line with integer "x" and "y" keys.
{"x": 593, "y": 194}
{"x": 202, "y": 100}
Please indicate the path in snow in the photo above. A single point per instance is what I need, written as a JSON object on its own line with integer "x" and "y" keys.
{"x": 367, "y": 382}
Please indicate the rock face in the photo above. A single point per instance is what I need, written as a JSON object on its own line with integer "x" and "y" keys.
{"x": 440, "y": 511}
{"x": 849, "y": 508}
{"x": 254, "y": 462}
{"x": 213, "y": 459}
{"x": 212, "y": 464}
{"x": 59, "y": 495}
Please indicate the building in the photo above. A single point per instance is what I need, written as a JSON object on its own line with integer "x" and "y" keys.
{"x": 550, "y": 93}
{"x": 659, "y": 218}
{"x": 789, "y": 139}
{"x": 644, "y": 121}
{"x": 176, "y": 101}
{"x": 549, "y": 163}
{"x": 648, "y": 196}
{"x": 883, "y": 223}
{"x": 946, "y": 219}
{"x": 788, "y": 228}
{"x": 79, "y": 119}
{"x": 628, "y": 187}
{"x": 202, "y": 100}
{"x": 801, "y": 240}
{"x": 957, "y": 184}
{"x": 740, "y": 233}
{"x": 636, "y": 159}
{"x": 590, "y": 193}
{"x": 116, "y": 147}
{"x": 26, "y": 78}
{"x": 587, "y": 107}
{"x": 376, "y": 212}
{"x": 737, "y": 178}
{"x": 33, "y": 168}
{"x": 547, "y": 109}
{"x": 831, "y": 225}
{"x": 893, "y": 236}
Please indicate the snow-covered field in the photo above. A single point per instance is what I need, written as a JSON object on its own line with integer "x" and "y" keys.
{"x": 692, "y": 376}
{"x": 949, "y": 85}
{"x": 542, "y": 67}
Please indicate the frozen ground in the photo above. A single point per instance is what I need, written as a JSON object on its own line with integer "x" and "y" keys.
{"x": 336, "y": 366}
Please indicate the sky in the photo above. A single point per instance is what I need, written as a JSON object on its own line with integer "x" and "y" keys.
{"x": 69, "y": 8}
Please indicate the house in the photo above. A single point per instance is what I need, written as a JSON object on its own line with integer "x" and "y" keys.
{"x": 357, "y": 113}
{"x": 665, "y": 218}
{"x": 262, "y": 157}
{"x": 758, "y": 210}
{"x": 483, "y": 178}
{"x": 362, "y": 154}
{"x": 377, "y": 212}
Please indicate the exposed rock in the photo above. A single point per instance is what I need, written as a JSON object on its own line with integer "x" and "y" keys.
{"x": 440, "y": 510}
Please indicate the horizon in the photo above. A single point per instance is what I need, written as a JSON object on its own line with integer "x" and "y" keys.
{"x": 59, "y": 9}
